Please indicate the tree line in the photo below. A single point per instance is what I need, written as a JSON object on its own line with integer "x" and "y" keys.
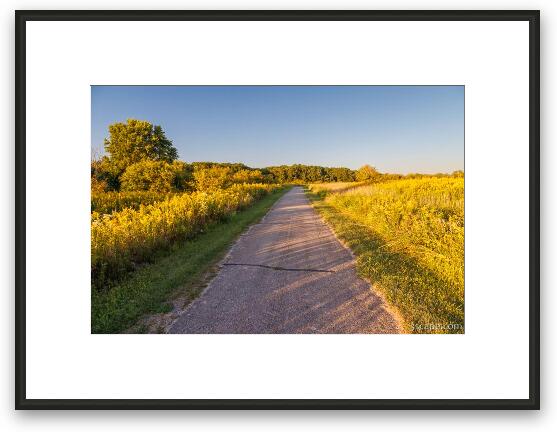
{"x": 139, "y": 157}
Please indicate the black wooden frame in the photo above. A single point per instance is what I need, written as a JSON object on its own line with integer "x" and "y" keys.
{"x": 533, "y": 17}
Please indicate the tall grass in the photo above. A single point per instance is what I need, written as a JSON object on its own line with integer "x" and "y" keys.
{"x": 409, "y": 238}
{"x": 109, "y": 202}
{"x": 122, "y": 240}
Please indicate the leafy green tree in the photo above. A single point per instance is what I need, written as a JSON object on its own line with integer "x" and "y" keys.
{"x": 340, "y": 174}
{"x": 367, "y": 173}
{"x": 135, "y": 141}
{"x": 307, "y": 174}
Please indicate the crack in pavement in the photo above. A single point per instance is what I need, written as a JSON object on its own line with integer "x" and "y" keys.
{"x": 278, "y": 268}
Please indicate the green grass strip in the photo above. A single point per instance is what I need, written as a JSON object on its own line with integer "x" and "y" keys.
{"x": 181, "y": 269}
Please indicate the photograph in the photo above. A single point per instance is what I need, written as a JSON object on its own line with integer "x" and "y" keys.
{"x": 277, "y": 209}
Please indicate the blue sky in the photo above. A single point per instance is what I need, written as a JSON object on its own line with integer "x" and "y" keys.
{"x": 394, "y": 128}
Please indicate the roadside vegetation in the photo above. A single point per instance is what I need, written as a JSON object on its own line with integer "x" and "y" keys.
{"x": 123, "y": 240}
{"x": 108, "y": 202}
{"x": 408, "y": 236}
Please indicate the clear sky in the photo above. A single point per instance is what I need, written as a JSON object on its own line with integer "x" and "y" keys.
{"x": 397, "y": 129}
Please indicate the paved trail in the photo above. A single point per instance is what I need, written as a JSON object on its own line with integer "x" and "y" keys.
{"x": 287, "y": 274}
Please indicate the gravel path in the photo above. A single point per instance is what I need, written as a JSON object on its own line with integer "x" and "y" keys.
{"x": 287, "y": 274}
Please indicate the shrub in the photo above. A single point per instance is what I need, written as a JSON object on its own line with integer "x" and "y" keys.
{"x": 248, "y": 176}
{"x": 104, "y": 176}
{"x": 367, "y": 173}
{"x": 98, "y": 186}
{"x": 155, "y": 176}
{"x": 211, "y": 179}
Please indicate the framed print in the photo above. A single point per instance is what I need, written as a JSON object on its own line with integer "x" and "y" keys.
{"x": 277, "y": 209}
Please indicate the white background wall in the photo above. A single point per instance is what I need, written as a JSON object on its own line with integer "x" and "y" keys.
{"x": 246, "y": 421}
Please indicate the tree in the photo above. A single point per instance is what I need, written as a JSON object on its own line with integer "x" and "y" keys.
{"x": 155, "y": 176}
{"x": 340, "y": 174}
{"x": 248, "y": 176}
{"x": 136, "y": 141}
{"x": 104, "y": 176}
{"x": 367, "y": 173}
{"x": 183, "y": 175}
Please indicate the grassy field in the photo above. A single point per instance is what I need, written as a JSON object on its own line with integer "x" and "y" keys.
{"x": 408, "y": 236}
{"x": 177, "y": 270}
